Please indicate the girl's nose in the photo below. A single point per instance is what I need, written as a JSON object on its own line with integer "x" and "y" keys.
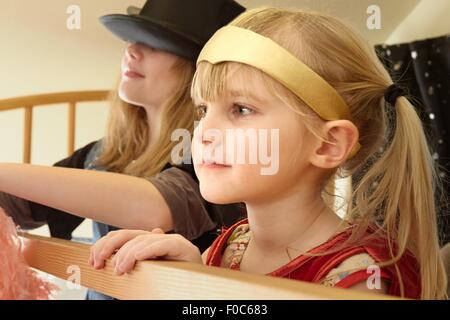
{"x": 208, "y": 137}
{"x": 199, "y": 136}
{"x": 206, "y": 133}
{"x": 134, "y": 52}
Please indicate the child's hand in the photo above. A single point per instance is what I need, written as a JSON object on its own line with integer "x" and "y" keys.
{"x": 147, "y": 245}
{"x": 105, "y": 247}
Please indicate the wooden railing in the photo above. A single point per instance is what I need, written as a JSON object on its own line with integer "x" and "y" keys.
{"x": 28, "y": 103}
{"x": 170, "y": 279}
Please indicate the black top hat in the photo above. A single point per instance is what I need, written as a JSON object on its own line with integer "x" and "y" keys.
{"x": 181, "y": 27}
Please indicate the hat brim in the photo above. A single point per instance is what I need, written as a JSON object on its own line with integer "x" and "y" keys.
{"x": 135, "y": 28}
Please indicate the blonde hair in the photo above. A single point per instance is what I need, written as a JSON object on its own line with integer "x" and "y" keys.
{"x": 402, "y": 206}
{"x": 125, "y": 147}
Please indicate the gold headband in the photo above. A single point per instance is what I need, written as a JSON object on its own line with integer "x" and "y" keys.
{"x": 236, "y": 44}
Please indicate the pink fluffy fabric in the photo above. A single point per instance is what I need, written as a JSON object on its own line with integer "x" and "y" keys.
{"x": 17, "y": 280}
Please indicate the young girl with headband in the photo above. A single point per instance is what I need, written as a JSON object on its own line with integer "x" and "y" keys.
{"x": 338, "y": 114}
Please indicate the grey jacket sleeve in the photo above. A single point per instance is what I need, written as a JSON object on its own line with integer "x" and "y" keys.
{"x": 188, "y": 208}
{"x": 19, "y": 210}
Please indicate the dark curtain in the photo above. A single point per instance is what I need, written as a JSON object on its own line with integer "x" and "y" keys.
{"x": 423, "y": 68}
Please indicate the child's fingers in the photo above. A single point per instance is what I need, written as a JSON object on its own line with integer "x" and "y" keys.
{"x": 94, "y": 258}
{"x": 125, "y": 247}
{"x": 158, "y": 231}
{"x": 115, "y": 241}
{"x": 171, "y": 247}
{"x": 128, "y": 258}
{"x": 120, "y": 239}
{"x": 125, "y": 258}
{"x": 155, "y": 245}
{"x": 123, "y": 254}
{"x": 127, "y": 261}
{"x": 156, "y": 249}
{"x": 125, "y": 265}
{"x": 105, "y": 247}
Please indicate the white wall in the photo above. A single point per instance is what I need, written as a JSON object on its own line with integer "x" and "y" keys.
{"x": 429, "y": 19}
{"x": 353, "y": 12}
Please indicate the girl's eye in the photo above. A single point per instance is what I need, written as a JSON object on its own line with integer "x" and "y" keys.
{"x": 201, "y": 111}
{"x": 240, "y": 110}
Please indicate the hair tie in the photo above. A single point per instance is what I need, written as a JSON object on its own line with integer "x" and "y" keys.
{"x": 393, "y": 92}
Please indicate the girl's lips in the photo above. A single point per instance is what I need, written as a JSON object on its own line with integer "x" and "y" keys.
{"x": 213, "y": 165}
{"x": 133, "y": 74}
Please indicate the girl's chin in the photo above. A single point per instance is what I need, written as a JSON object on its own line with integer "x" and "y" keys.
{"x": 127, "y": 96}
{"x": 219, "y": 197}
{"x": 131, "y": 95}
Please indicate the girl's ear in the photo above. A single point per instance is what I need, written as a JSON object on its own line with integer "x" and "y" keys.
{"x": 341, "y": 136}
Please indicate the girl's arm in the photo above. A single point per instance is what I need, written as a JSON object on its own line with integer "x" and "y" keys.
{"x": 115, "y": 199}
{"x": 30, "y": 215}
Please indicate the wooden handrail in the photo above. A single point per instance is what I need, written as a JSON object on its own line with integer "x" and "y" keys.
{"x": 53, "y": 98}
{"x": 29, "y": 102}
{"x": 171, "y": 280}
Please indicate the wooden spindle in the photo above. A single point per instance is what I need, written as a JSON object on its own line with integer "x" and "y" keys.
{"x": 71, "y": 127}
{"x": 27, "y": 132}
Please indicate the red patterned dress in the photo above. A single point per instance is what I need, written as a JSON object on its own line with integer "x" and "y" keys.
{"x": 330, "y": 269}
